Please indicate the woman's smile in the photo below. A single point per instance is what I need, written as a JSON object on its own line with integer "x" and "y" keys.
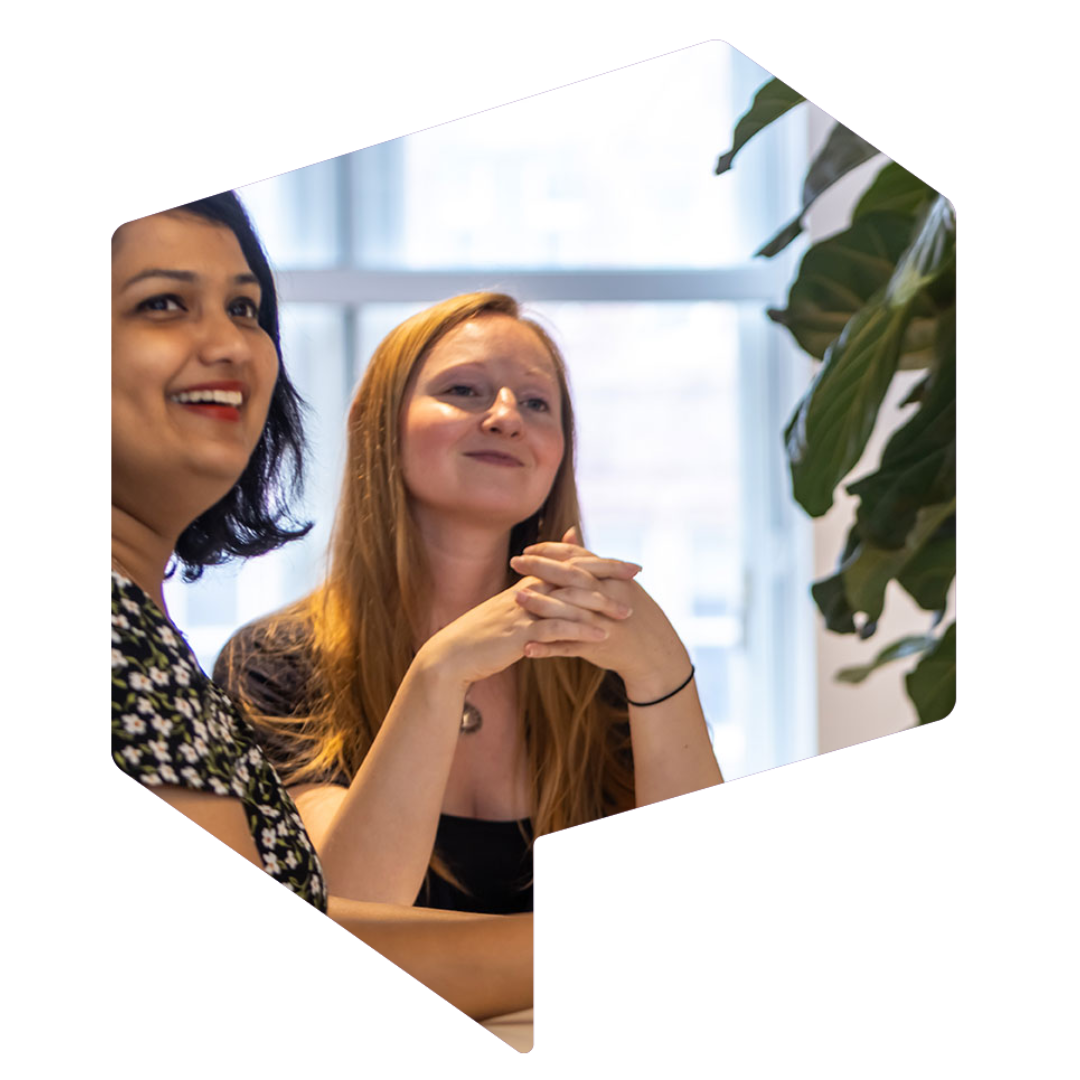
{"x": 221, "y": 400}
{"x": 494, "y": 457}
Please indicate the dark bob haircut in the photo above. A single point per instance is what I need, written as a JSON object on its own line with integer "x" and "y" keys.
{"x": 255, "y": 516}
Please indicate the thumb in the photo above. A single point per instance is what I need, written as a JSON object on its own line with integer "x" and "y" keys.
{"x": 571, "y": 536}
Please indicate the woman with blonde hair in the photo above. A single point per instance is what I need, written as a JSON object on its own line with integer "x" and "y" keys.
{"x": 468, "y": 675}
{"x": 206, "y": 449}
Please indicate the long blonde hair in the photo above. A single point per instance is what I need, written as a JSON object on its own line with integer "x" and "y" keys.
{"x": 360, "y": 625}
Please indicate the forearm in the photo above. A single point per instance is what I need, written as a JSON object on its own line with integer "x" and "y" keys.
{"x": 378, "y": 845}
{"x": 670, "y": 739}
{"x": 482, "y": 964}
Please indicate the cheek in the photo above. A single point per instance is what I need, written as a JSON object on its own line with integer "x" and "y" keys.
{"x": 425, "y": 432}
{"x": 141, "y": 366}
{"x": 555, "y": 446}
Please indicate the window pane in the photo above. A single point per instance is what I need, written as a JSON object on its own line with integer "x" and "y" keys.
{"x": 296, "y": 215}
{"x": 615, "y": 171}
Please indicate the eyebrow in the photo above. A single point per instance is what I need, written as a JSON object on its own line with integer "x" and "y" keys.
{"x": 531, "y": 373}
{"x": 187, "y": 276}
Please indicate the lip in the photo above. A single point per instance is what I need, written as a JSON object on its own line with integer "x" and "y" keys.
{"x": 496, "y": 457}
{"x": 214, "y": 410}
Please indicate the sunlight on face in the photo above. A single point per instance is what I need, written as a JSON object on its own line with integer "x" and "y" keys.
{"x": 481, "y": 425}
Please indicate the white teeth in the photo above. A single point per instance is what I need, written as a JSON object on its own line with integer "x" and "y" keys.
{"x": 212, "y": 397}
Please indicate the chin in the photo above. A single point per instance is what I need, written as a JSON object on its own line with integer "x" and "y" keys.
{"x": 220, "y": 470}
{"x": 503, "y": 516}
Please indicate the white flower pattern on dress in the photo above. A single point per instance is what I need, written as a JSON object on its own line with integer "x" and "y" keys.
{"x": 172, "y": 725}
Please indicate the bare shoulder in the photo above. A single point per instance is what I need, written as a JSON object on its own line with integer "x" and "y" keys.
{"x": 221, "y": 815}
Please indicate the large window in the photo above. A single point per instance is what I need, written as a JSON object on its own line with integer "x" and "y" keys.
{"x": 597, "y": 207}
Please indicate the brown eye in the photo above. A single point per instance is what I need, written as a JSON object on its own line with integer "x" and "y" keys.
{"x": 245, "y": 308}
{"x": 164, "y": 303}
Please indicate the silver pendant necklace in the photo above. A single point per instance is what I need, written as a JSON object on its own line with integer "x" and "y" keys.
{"x": 471, "y": 719}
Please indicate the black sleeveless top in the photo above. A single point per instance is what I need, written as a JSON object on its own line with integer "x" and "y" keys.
{"x": 492, "y": 860}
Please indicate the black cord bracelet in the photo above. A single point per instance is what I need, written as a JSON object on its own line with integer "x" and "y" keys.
{"x": 681, "y": 686}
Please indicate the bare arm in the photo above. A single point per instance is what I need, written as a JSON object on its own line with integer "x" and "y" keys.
{"x": 377, "y": 844}
{"x": 375, "y": 837}
{"x": 672, "y": 752}
{"x": 221, "y": 815}
{"x": 482, "y": 964}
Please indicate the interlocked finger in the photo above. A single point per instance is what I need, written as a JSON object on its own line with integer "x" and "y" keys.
{"x": 581, "y": 573}
{"x": 548, "y": 630}
{"x": 560, "y": 602}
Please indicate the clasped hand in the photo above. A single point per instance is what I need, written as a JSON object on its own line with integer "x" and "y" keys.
{"x": 579, "y": 586}
{"x": 570, "y": 602}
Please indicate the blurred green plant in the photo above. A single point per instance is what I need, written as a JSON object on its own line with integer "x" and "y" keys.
{"x": 875, "y": 299}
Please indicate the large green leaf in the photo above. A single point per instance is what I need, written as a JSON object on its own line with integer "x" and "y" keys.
{"x": 932, "y": 255}
{"x": 917, "y": 348}
{"x": 932, "y": 685}
{"x": 842, "y": 152}
{"x": 864, "y": 572}
{"x": 770, "y": 102}
{"x": 828, "y": 432}
{"x": 918, "y": 465}
{"x": 838, "y": 276}
{"x": 906, "y": 646}
{"x": 870, "y": 569}
{"x": 896, "y": 190}
{"x": 930, "y": 572}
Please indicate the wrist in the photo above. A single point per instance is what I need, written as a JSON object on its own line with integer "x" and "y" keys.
{"x": 660, "y": 678}
{"x": 434, "y": 668}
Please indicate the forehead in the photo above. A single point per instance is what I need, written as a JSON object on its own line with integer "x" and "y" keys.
{"x": 177, "y": 241}
{"x": 494, "y": 339}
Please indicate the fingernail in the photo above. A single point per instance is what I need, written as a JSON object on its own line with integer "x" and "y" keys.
{"x": 625, "y": 612}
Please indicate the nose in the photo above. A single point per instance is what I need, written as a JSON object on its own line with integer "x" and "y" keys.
{"x": 221, "y": 340}
{"x": 504, "y": 416}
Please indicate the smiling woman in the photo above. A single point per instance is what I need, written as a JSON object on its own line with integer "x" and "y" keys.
{"x": 469, "y": 675}
{"x": 194, "y": 306}
{"x": 193, "y": 369}
{"x": 186, "y": 319}
{"x": 494, "y": 370}
{"x": 206, "y": 438}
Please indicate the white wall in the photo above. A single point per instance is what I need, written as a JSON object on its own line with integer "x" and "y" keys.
{"x": 878, "y": 706}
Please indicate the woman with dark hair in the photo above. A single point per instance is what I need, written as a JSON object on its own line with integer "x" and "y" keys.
{"x": 469, "y": 675}
{"x": 206, "y": 447}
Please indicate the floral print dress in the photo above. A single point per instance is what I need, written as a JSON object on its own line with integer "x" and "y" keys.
{"x": 172, "y": 725}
